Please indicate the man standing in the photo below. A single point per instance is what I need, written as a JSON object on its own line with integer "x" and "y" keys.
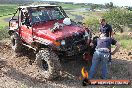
{"x": 105, "y": 28}
{"x": 102, "y": 53}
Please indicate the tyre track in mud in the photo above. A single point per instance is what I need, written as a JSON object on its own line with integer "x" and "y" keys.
{"x": 20, "y": 71}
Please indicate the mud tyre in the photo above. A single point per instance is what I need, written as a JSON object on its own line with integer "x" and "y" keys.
{"x": 16, "y": 43}
{"x": 48, "y": 64}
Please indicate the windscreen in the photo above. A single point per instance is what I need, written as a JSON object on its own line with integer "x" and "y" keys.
{"x": 46, "y": 14}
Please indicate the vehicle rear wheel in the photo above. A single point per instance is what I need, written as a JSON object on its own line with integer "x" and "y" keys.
{"x": 48, "y": 64}
{"x": 16, "y": 43}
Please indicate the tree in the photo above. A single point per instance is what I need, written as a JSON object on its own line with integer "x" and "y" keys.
{"x": 94, "y": 6}
{"x": 130, "y": 8}
{"x": 109, "y": 5}
{"x": 119, "y": 18}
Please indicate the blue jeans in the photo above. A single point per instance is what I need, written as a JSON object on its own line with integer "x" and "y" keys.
{"x": 110, "y": 58}
{"x": 102, "y": 58}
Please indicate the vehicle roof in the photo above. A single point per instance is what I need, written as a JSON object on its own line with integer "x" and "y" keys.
{"x": 32, "y": 6}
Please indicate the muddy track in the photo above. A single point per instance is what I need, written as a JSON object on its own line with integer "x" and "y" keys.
{"x": 19, "y": 72}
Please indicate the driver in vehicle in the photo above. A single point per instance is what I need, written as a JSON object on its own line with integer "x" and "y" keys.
{"x": 26, "y": 19}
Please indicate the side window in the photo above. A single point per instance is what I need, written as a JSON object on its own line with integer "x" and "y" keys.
{"x": 25, "y": 18}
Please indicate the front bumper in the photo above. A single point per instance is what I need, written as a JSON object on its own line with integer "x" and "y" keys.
{"x": 76, "y": 50}
{"x": 73, "y": 49}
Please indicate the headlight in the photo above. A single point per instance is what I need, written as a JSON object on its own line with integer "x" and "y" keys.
{"x": 57, "y": 43}
{"x": 63, "y": 42}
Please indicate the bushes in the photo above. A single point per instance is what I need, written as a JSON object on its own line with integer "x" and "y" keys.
{"x": 92, "y": 23}
{"x": 119, "y": 18}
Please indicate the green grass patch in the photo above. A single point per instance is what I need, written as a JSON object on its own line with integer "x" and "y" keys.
{"x": 89, "y": 14}
{"x": 7, "y": 9}
{"x": 5, "y": 12}
{"x": 126, "y": 43}
{"x": 3, "y": 23}
{"x": 73, "y": 6}
{"x": 123, "y": 37}
{"x": 4, "y": 27}
{"x": 125, "y": 40}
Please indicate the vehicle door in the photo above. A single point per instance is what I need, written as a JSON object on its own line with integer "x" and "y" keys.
{"x": 25, "y": 28}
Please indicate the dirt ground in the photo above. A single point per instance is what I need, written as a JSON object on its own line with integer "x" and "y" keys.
{"x": 20, "y": 72}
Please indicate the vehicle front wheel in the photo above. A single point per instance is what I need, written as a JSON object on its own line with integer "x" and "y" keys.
{"x": 48, "y": 63}
{"x": 16, "y": 43}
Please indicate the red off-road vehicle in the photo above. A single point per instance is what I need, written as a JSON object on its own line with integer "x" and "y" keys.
{"x": 49, "y": 32}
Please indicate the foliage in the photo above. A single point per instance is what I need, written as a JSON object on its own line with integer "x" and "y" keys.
{"x": 118, "y": 18}
{"x": 94, "y": 6}
{"x": 92, "y": 23}
{"x": 109, "y": 5}
{"x": 129, "y": 8}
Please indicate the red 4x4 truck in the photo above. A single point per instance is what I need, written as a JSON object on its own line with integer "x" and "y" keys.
{"x": 49, "y": 32}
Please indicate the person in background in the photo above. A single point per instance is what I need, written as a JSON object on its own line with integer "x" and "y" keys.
{"x": 102, "y": 53}
{"x": 26, "y": 19}
{"x": 105, "y": 28}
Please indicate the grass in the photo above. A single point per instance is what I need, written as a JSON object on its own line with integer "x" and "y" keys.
{"x": 124, "y": 39}
{"x": 3, "y": 23}
{"x": 126, "y": 43}
{"x": 73, "y": 6}
{"x": 3, "y": 34}
{"x": 122, "y": 36}
{"x": 7, "y": 9}
{"x": 89, "y": 14}
{"x": 4, "y": 27}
